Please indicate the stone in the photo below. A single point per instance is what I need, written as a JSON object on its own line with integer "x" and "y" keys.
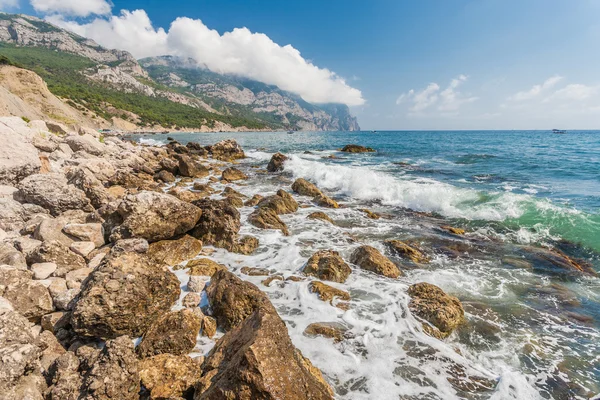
{"x": 328, "y": 265}
{"x": 443, "y": 313}
{"x": 129, "y": 180}
{"x": 174, "y": 333}
{"x": 407, "y": 251}
{"x": 320, "y": 215}
{"x": 331, "y": 330}
{"x": 115, "y": 374}
{"x": 253, "y": 271}
{"x": 51, "y": 349}
{"x": 58, "y": 128}
{"x": 281, "y": 203}
{"x": 123, "y": 296}
{"x": 191, "y": 300}
{"x": 51, "y": 229}
{"x": 136, "y": 245}
{"x": 325, "y": 201}
{"x": 18, "y": 157}
{"x": 189, "y": 167}
{"x": 55, "y": 321}
{"x": 253, "y": 201}
{"x": 43, "y": 270}
{"x": 227, "y": 150}
{"x": 167, "y": 376}
{"x": 172, "y": 252}
{"x": 276, "y": 162}
{"x": 209, "y": 326}
{"x": 82, "y": 248}
{"x": 305, "y": 188}
{"x": 85, "y": 180}
{"x": 354, "y": 148}
{"x": 30, "y": 298}
{"x": 56, "y": 252}
{"x": 92, "y": 232}
{"x": 370, "y": 214}
{"x": 65, "y": 379}
{"x": 328, "y": 293}
{"x": 44, "y": 144}
{"x": 11, "y": 256}
{"x": 245, "y": 245}
{"x": 155, "y": 216}
{"x": 257, "y": 360}
{"x": 86, "y": 143}
{"x": 233, "y": 300}
{"x": 185, "y": 194}
{"x": 203, "y": 267}
{"x": 232, "y": 174}
{"x": 196, "y": 283}
{"x": 166, "y": 177}
{"x": 12, "y": 217}
{"x": 218, "y": 225}
{"x": 52, "y": 192}
{"x": 170, "y": 165}
{"x": 453, "y": 230}
{"x": 370, "y": 259}
{"x": 78, "y": 275}
{"x": 64, "y": 300}
{"x": 266, "y": 218}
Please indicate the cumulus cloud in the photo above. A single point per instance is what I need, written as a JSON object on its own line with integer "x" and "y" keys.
{"x": 447, "y": 100}
{"x": 240, "y": 52}
{"x": 76, "y": 8}
{"x": 536, "y": 90}
{"x": 8, "y": 4}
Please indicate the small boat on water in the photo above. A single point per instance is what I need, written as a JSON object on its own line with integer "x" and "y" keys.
{"x": 559, "y": 131}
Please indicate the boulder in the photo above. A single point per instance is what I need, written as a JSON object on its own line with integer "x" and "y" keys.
{"x": 58, "y": 128}
{"x": 323, "y": 200}
{"x": 191, "y": 168}
{"x": 155, "y": 216}
{"x": 64, "y": 300}
{"x": 328, "y": 265}
{"x": 167, "y": 376}
{"x": 172, "y": 252}
{"x": 85, "y": 180}
{"x": 12, "y": 217}
{"x": 123, "y": 296}
{"x": 166, "y": 177}
{"x": 86, "y": 143}
{"x": 82, "y": 248}
{"x": 320, "y": 215}
{"x": 209, "y": 326}
{"x": 18, "y": 157}
{"x": 174, "y": 333}
{"x": 203, "y": 267}
{"x": 65, "y": 382}
{"x": 170, "y": 165}
{"x": 92, "y": 232}
{"x": 245, "y": 245}
{"x": 233, "y": 174}
{"x": 276, "y": 162}
{"x": 233, "y": 300}
{"x": 442, "y": 312}
{"x": 57, "y": 253}
{"x": 370, "y": 259}
{"x": 227, "y": 150}
{"x": 51, "y": 229}
{"x": 43, "y": 144}
{"x": 30, "y": 298}
{"x": 52, "y": 192}
{"x": 196, "y": 283}
{"x": 129, "y": 180}
{"x": 11, "y": 256}
{"x": 305, "y": 188}
{"x": 191, "y": 300}
{"x": 328, "y": 293}
{"x": 453, "y": 230}
{"x": 407, "y": 251}
{"x": 136, "y": 245}
{"x": 257, "y": 360}
{"x": 331, "y": 330}
{"x": 253, "y": 201}
{"x": 254, "y": 271}
{"x": 266, "y": 218}
{"x": 43, "y": 271}
{"x": 281, "y": 203}
{"x": 51, "y": 349}
{"x": 354, "y": 148}
{"x": 218, "y": 225}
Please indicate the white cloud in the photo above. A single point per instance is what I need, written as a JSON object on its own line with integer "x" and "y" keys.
{"x": 574, "y": 92}
{"x": 76, "y": 8}
{"x": 448, "y": 100}
{"x": 7, "y": 4}
{"x": 240, "y": 52}
{"x": 536, "y": 90}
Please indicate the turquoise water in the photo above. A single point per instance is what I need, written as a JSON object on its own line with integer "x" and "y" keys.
{"x": 533, "y": 330}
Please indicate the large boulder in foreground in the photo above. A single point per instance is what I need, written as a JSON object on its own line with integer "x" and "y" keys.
{"x": 257, "y": 360}
{"x": 123, "y": 296}
{"x": 370, "y": 259}
{"x": 276, "y": 162}
{"x": 442, "y": 312}
{"x": 219, "y": 223}
{"x": 52, "y": 192}
{"x": 18, "y": 157}
{"x": 155, "y": 216}
{"x": 232, "y": 300}
{"x": 172, "y": 252}
{"x": 227, "y": 150}
{"x": 266, "y": 218}
{"x": 328, "y": 265}
{"x": 174, "y": 333}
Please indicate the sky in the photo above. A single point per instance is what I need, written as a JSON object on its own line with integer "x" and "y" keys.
{"x": 399, "y": 65}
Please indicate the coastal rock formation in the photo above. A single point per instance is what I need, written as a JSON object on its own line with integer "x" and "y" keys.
{"x": 203, "y": 267}
{"x": 172, "y": 252}
{"x": 327, "y": 265}
{"x": 174, "y": 333}
{"x": 266, "y": 218}
{"x": 276, "y": 162}
{"x": 257, "y": 360}
{"x": 407, "y": 251}
{"x": 52, "y": 192}
{"x": 167, "y": 376}
{"x": 328, "y": 293}
{"x": 226, "y": 150}
{"x": 280, "y": 203}
{"x": 370, "y": 259}
{"x": 305, "y": 188}
{"x": 443, "y": 313}
{"x": 331, "y": 330}
{"x": 18, "y": 157}
{"x": 354, "y": 148}
{"x": 323, "y": 200}
{"x": 232, "y": 174}
{"x": 191, "y": 168}
{"x": 219, "y": 223}
{"x": 123, "y": 296}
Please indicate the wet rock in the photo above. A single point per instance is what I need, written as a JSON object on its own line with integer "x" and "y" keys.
{"x": 281, "y": 203}
{"x": 155, "y": 216}
{"x": 56, "y": 252}
{"x": 245, "y": 245}
{"x": 191, "y": 168}
{"x": 328, "y": 265}
{"x": 253, "y": 201}
{"x": 204, "y": 267}
{"x": 86, "y": 232}
{"x": 331, "y": 330}
{"x": 52, "y": 192}
{"x": 167, "y": 376}
{"x": 230, "y": 192}
{"x": 328, "y": 293}
{"x": 218, "y": 225}
{"x": 305, "y": 188}
{"x": 233, "y": 300}
{"x": 257, "y": 360}
{"x": 276, "y": 162}
{"x": 370, "y": 259}
{"x": 320, "y": 215}
{"x": 124, "y": 295}
{"x": 174, "y": 333}
{"x": 266, "y": 218}
{"x": 227, "y": 150}
{"x": 554, "y": 261}
{"x": 19, "y": 353}
{"x": 11, "y": 256}
{"x": 267, "y": 282}
{"x": 191, "y": 300}
{"x": 235, "y": 201}
{"x": 442, "y": 312}
{"x": 354, "y": 148}
{"x": 166, "y": 177}
{"x": 253, "y": 271}
{"x": 115, "y": 374}
{"x": 325, "y": 201}
{"x": 453, "y": 230}
{"x": 209, "y": 326}
{"x": 232, "y": 174}
{"x": 172, "y": 252}
{"x": 43, "y": 270}
{"x": 517, "y": 262}
{"x": 370, "y": 214}
{"x": 196, "y": 283}
{"x": 407, "y": 251}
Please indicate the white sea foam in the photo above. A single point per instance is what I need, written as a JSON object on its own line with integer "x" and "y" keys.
{"x": 151, "y": 142}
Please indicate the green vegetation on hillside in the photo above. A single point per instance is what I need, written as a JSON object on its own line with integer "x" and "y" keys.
{"x": 63, "y": 74}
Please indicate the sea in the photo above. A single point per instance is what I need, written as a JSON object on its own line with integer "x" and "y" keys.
{"x": 533, "y": 326}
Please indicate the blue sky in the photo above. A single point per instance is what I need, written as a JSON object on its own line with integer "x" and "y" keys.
{"x": 460, "y": 64}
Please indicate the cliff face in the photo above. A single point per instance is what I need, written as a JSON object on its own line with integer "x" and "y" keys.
{"x": 216, "y": 98}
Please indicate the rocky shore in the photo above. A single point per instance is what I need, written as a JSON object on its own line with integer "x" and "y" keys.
{"x": 107, "y": 281}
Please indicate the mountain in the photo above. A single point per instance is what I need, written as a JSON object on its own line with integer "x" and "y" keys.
{"x": 111, "y": 86}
